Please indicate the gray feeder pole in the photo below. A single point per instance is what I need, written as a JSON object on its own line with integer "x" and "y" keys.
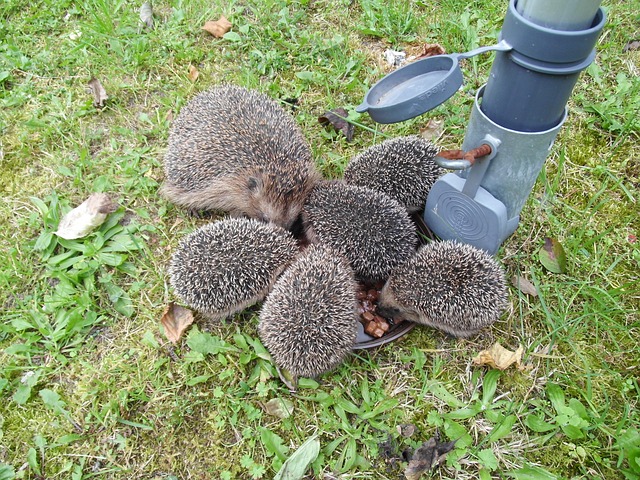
{"x": 518, "y": 113}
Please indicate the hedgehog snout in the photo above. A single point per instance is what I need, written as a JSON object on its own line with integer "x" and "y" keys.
{"x": 387, "y": 311}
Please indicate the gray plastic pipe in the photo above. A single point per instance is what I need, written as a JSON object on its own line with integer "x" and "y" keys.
{"x": 518, "y": 113}
{"x": 528, "y": 87}
{"x": 559, "y": 14}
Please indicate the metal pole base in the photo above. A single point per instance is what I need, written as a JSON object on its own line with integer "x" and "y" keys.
{"x": 485, "y": 216}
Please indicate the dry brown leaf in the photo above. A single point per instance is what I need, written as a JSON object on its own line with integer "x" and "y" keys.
{"x": 193, "y": 73}
{"x": 336, "y": 117}
{"x": 430, "y": 50}
{"x": 279, "y": 407}
{"x": 433, "y": 130}
{"x": 146, "y": 14}
{"x": 217, "y": 28}
{"x": 406, "y": 429}
{"x": 90, "y": 214}
{"x": 499, "y": 357}
{"x": 175, "y": 320}
{"x": 289, "y": 379}
{"x": 99, "y": 93}
{"x": 632, "y": 45}
{"x": 524, "y": 285}
{"x": 430, "y": 454}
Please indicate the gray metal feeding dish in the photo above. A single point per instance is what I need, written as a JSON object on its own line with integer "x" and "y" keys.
{"x": 418, "y": 87}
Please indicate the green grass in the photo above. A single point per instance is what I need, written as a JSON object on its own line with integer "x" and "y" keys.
{"x": 90, "y": 387}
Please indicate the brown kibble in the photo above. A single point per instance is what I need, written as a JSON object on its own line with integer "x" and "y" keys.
{"x": 369, "y": 328}
{"x": 374, "y": 325}
{"x": 373, "y": 330}
{"x": 382, "y": 323}
{"x": 368, "y": 316}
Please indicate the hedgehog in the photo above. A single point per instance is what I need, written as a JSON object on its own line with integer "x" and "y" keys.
{"x": 454, "y": 287}
{"x": 226, "y": 266}
{"x": 236, "y": 150}
{"x": 308, "y": 322}
{"x": 373, "y": 231}
{"x": 403, "y": 168}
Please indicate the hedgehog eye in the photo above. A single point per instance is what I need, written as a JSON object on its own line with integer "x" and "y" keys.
{"x": 252, "y": 183}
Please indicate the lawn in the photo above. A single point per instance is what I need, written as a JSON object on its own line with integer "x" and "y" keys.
{"x": 90, "y": 387}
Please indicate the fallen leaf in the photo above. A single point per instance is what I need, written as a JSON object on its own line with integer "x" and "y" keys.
{"x": 430, "y": 50}
{"x": 499, "y": 357}
{"x": 632, "y": 238}
{"x": 90, "y": 214}
{"x": 406, "y": 430}
{"x": 632, "y": 45}
{"x": 289, "y": 379}
{"x": 296, "y": 465}
{"x": 146, "y": 14}
{"x": 524, "y": 285}
{"x": 99, "y": 93}
{"x": 279, "y": 407}
{"x": 552, "y": 256}
{"x": 430, "y": 454}
{"x": 388, "y": 449}
{"x": 337, "y": 118}
{"x": 433, "y": 130}
{"x": 175, "y": 320}
{"x": 217, "y": 28}
{"x": 193, "y": 73}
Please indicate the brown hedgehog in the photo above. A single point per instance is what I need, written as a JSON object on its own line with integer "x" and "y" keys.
{"x": 373, "y": 231}
{"x": 226, "y": 266}
{"x": 238, "y": 151}
{"x": 447, "y": 285}
{"x": 403, "y": 168}
{"x": 308, "y": 321}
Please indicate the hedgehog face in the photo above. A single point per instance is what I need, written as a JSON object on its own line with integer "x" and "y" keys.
{"x": 267, "y": 205}
{"x": 454, "y": 287}
{"x": 278, "y": 197}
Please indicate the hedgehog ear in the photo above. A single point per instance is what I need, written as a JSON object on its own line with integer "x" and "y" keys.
{"x": 253, "y": 183}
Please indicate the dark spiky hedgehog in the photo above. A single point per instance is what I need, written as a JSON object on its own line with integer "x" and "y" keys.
{"x": 226, "y": 266}
{"x": 373, "y": 231}
{"x": 237, "y": 150}
{"x": 454, "y": 287}
{"x": 403, "y": 168}
{"x": 308, "y": 320}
